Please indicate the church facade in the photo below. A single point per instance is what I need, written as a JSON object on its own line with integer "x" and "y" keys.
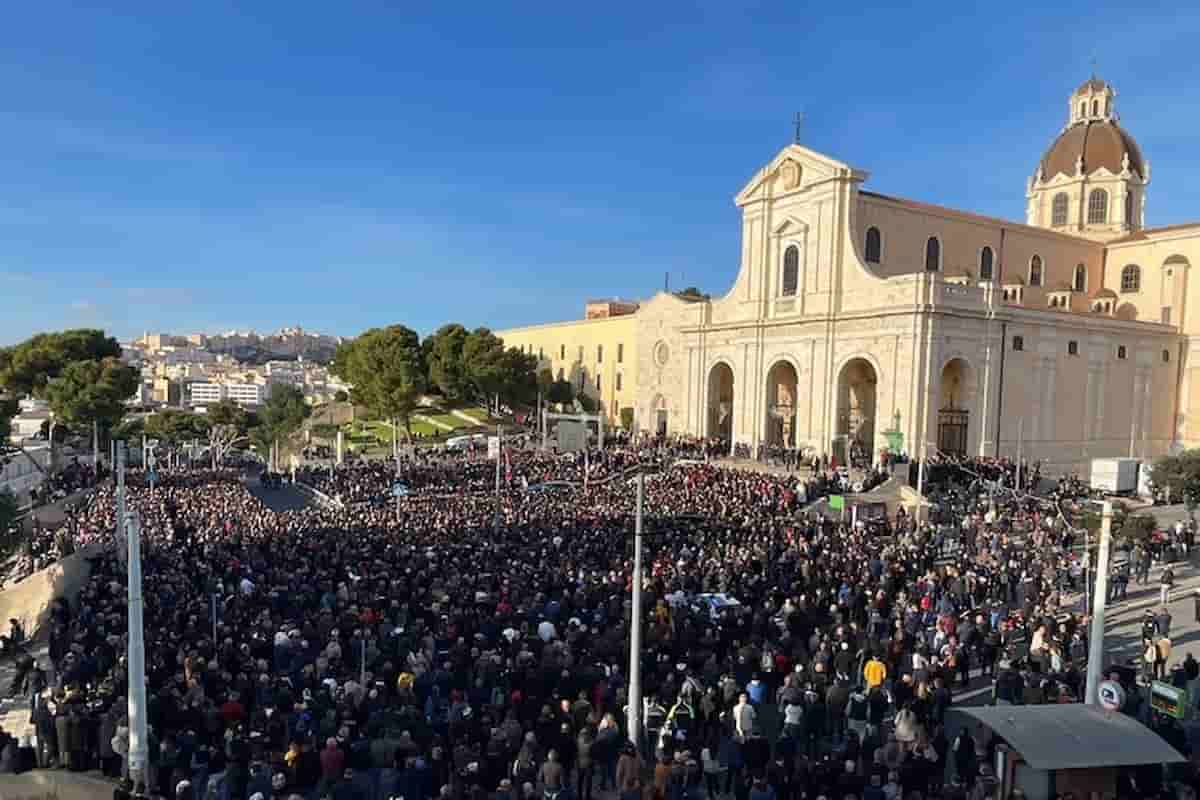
{"x": 860, "y": 322}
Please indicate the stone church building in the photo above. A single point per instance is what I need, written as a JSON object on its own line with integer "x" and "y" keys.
{"x": 859, "y": 321}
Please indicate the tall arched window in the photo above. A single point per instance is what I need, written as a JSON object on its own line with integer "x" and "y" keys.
{"x": 1058, "y": 216}
{"x": 873, "y": 246}
{"x": 1098, "y": 207}
{"x": 1035, "y": 271}
{"x": 985, "y": 264}
{"x": 1095, "y": 108}
{"x": 933, "y": 254}
{"x": 1080, "y": 282}
{"x": 1129, "y": 210}
{"x": 791, "y": 269}
{"x": 1083, "y": 109}
{"x": 1131, "y": 278}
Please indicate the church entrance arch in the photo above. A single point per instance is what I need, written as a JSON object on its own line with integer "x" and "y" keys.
{"x": 782, "y": 383}
{"x": 857, "y": 388}
{"x": 720, "y": 402}
{"x": 658, "y": 412}
{"x": 955, "y": 401}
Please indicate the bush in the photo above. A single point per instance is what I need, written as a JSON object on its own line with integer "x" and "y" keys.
{"x": 627, "y": 418}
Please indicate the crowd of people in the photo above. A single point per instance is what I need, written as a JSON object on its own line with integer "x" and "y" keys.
{"x": 425, "y": 648}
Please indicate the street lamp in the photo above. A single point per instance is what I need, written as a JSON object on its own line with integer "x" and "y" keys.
{"x": 921, "y": 478}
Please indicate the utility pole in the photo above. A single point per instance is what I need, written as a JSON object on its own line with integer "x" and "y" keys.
{"x": 635, "y": 625}
{"x": 120, "y": 468}
{"x": 1099, "y": 605}
{"x": 499, "y": 452}
{"x": 136, "y": 659}
{"x": 95, "y": 445}
{"x": 1020, "y": 438}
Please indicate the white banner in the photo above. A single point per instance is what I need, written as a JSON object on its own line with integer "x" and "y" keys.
{"x": 493, "y": 447}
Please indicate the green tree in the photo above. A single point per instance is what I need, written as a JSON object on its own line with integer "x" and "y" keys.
{"x": 29, "y": 367}
{"x": 587, "y": 403}
{"x": 1180, "y": 474}
{"x": 36, "y": 364}
{"x": 386, "y": 372}
{"x": 545, "y": 379}
{"x": 519, "y": 380}
{"x": 324, "y": 430}
{"x": 340, "y": 396}
{"x": 561, "y": 393}
{"x": 92, "y": 391}
{"x": 483, "y": 360}
{"x": 131, "y": 428}
{"x": 627, "y": 418}
{"x": 281, "y": 416}
{"x": 173, "y": 426}
{"x": 447, "y": 367}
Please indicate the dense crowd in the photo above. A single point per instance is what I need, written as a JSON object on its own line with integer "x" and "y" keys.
{"x": 421, "y": 649}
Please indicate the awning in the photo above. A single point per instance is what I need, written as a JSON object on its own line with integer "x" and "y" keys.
{"x": 1074, "y": 736}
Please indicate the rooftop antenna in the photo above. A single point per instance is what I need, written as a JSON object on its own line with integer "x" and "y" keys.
{"x": 798, "y": 120}
{"x": 1094, "y": 61}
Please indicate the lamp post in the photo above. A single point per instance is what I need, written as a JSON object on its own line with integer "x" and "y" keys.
{"x": 1096, "y": 637}
{"x": 136, "y": 660}
{"x": 635, "y": 627}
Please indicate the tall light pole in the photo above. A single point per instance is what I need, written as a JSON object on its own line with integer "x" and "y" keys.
{"x": 635, "y": 626}
{"x": 118, "y": 530}
{"x": 1096, "y": 637}
{"x": 138, "y": 741}
{"x": 499, "y": 452}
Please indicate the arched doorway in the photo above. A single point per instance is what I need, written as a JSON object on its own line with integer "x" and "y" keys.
{"x": 956, "y": 393}
{"x": 720, "y": 402}
{"x": 781, "y": 405}
{"x": 855, "y": 442}
{"x": 658, "y": 416}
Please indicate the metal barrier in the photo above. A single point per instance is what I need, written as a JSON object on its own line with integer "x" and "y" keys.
{"x": 322, "y": 498}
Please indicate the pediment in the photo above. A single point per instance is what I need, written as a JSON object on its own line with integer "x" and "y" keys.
{"x": 793, "y": 169}
{"x": 790, "y": 226}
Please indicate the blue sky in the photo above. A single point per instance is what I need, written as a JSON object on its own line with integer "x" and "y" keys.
{"x": 348, "y": 165}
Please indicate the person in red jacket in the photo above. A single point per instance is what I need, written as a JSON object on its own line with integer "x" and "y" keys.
{"x": 333, "y": 761}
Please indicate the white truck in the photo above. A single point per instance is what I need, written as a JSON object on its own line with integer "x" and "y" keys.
{"x": 1115, "y": 475}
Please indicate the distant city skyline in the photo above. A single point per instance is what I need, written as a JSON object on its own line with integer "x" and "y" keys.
{"x": 425, "y": 165}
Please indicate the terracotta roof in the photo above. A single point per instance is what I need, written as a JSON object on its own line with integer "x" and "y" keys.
{"x": 970, "y": 215}
{"x": 1099, "y": 142}
{"x": 1146, "y": 233}
{"x": 1093, "y": 84}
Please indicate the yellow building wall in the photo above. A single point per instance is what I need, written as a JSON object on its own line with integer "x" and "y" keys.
{"x": 582, "y": 350}
{"x": 1164, "y": 262}
{"x": 905, "y": 228}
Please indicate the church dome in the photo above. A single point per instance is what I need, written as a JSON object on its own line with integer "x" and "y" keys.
{"x": 1099, "y": 142}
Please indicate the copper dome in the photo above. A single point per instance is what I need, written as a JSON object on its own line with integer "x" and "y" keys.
{"x": 1101, "y": 143}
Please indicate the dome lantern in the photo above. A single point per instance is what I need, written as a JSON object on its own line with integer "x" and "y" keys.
{"x": 1092, "y": 101}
